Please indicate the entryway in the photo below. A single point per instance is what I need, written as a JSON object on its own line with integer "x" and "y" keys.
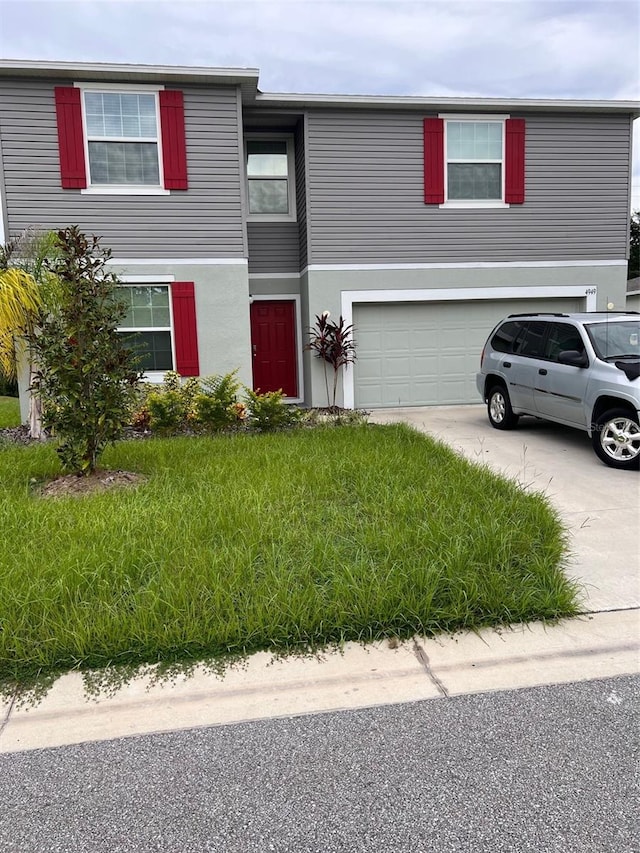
{"x": 273, "y": 344}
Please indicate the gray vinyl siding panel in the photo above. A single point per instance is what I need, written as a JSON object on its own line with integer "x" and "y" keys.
{"x": 301, "y": 191}
{"x": 281, "y": 247}
{"x": 366, "y": 196}
{"x": 203, "y": 221}
{"x": 273, "y": 247}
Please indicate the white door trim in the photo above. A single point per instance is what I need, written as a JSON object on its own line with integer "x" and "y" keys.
{"x": 349, "y": 298}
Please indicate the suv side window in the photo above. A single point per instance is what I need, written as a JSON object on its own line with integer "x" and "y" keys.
{"x": 530, "y": 341}
{"x": 505, "y": 336}
{"x": 562, "y": 337}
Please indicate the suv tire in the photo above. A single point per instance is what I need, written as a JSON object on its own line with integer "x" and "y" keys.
{"x": 616, "y": 439}
{"x": 499, "y": 409}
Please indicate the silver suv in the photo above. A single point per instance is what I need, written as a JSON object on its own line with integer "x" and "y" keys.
{"x": 582, "y": 370}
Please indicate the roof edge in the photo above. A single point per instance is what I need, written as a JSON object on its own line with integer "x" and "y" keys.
{"x": 247, "y": 78}
{"x": 420, "y": 102}
{"x": 29, "y": 67}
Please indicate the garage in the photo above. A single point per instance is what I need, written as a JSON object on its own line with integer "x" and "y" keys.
{"x": 427, "y": 353}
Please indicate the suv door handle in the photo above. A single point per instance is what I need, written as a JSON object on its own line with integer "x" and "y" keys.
{"x": 542, "y": 371}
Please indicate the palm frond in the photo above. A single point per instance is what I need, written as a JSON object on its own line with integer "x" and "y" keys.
{"x": 19, "y": 306}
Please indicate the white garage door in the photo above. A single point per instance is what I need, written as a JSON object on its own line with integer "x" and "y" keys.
{"x": 428, "y": 353}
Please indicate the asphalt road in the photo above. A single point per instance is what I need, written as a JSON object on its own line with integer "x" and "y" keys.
{"x": 545, "y": 769}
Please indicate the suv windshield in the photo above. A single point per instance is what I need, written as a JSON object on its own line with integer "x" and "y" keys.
{"x": 614, "y": 340}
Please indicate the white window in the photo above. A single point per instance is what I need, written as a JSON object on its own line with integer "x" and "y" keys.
{"x": 147, "y": 325}
{"x": 270, "y": 177}
{"x": 122, "y": 138}
{"x": 474, "y": 156}
{"x": 123, "y": 147}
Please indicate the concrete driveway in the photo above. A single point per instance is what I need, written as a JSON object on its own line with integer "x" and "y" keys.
{"x": 599, "y": 505}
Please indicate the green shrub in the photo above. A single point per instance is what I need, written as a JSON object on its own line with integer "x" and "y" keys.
{"x": 216, "y": 407}
{"x": 269, "y": 411}
{"x": 167, "y": 410}
{"x": 168, "y": 407}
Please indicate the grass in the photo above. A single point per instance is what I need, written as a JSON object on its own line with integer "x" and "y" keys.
{"x": 9, "y": 412}
{"x": 273, "y": 541}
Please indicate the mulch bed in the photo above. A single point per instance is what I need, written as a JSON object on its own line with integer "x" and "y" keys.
{"x": 74, "y": 485}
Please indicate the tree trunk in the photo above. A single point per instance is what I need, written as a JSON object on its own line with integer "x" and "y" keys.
{"x": 35, "y": 408}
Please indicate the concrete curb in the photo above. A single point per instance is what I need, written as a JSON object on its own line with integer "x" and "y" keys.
{"x": 594, "y": 646}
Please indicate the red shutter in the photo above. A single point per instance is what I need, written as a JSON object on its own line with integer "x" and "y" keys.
{"x": 184, "y": 327}
{"x": 514, "y": 161}
{"x": 434, "y": 161}
{"x": 174, "y": 150}
{"x": 70, "y": 141}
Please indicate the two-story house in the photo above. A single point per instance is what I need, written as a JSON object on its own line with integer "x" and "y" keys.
{"x": 235, "y": 217}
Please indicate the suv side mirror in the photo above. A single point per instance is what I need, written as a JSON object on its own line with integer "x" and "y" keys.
{"x": 573, "y": 357}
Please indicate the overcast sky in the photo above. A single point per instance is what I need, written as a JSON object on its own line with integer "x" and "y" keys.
{"x": 505, "y": 48}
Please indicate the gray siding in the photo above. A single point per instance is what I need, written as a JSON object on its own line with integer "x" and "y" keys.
{"x": 366, "y": 198}
{"x": 301, "y": 191}
{"x": 277, "y": 247}
{"x": 273, "y": 247}
{"x": 204, "y": 221}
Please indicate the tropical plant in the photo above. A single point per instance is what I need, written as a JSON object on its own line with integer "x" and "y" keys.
{"x": 268, "y": 411}
{"x": 86, "y": 375}
{"x": 332, "y": 343}
{"x": 20, "y": 305}
{"x": 216, "y": 406}
{"x": 28, "y": 290}
{"x": 19, "y": 310}
{"x": 167, "y": 410}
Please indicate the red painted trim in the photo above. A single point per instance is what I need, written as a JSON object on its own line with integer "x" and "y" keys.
{"x": 184, "y": 327}
{"x": 434, "y": 161}
{"x": 514, "y": 161}
{"x": 174, "y": 149}
{"x": 70, "y": 141}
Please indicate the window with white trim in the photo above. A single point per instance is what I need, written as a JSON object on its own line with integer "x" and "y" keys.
{"x": 270, "y": 177}
{"x": 474, "y": 161}
{"x": 123, "y": 145}
{"x": 147, "y": 325}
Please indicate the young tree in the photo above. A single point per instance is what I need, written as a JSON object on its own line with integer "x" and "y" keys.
{"x": 86, "y": 375}
{"x": 332, "y": 343}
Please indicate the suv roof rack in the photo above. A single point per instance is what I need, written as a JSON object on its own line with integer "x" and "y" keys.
{"x": 581, "y": 313}
{"x": 539, "y": 314}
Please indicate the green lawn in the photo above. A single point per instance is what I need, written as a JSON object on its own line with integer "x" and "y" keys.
{"x": 9, "y": 412}
{"x": 273, "y": 541}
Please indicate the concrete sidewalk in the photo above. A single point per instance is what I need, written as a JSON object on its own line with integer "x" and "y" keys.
{"x": 357, "y": 677}
{"x": 601, "y": 508}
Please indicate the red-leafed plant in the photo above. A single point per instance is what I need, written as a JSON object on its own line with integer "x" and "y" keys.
{"x": 333, "y": 343}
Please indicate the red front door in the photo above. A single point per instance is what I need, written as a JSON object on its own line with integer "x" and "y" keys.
{"x": 273, "y": 341}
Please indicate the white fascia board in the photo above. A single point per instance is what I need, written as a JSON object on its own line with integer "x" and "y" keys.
{"x": 146, "y": 279}
{"x": 439, "y": 104}
{"x": 191, "y": 262}
{"x": 472, "y": 265}
{"x": 273, "y": 275}
{"x": 113, "y": 70}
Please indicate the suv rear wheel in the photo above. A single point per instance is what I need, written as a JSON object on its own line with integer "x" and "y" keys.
{"x": 499, "y": 409}
{"x": 616, "y": 439}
